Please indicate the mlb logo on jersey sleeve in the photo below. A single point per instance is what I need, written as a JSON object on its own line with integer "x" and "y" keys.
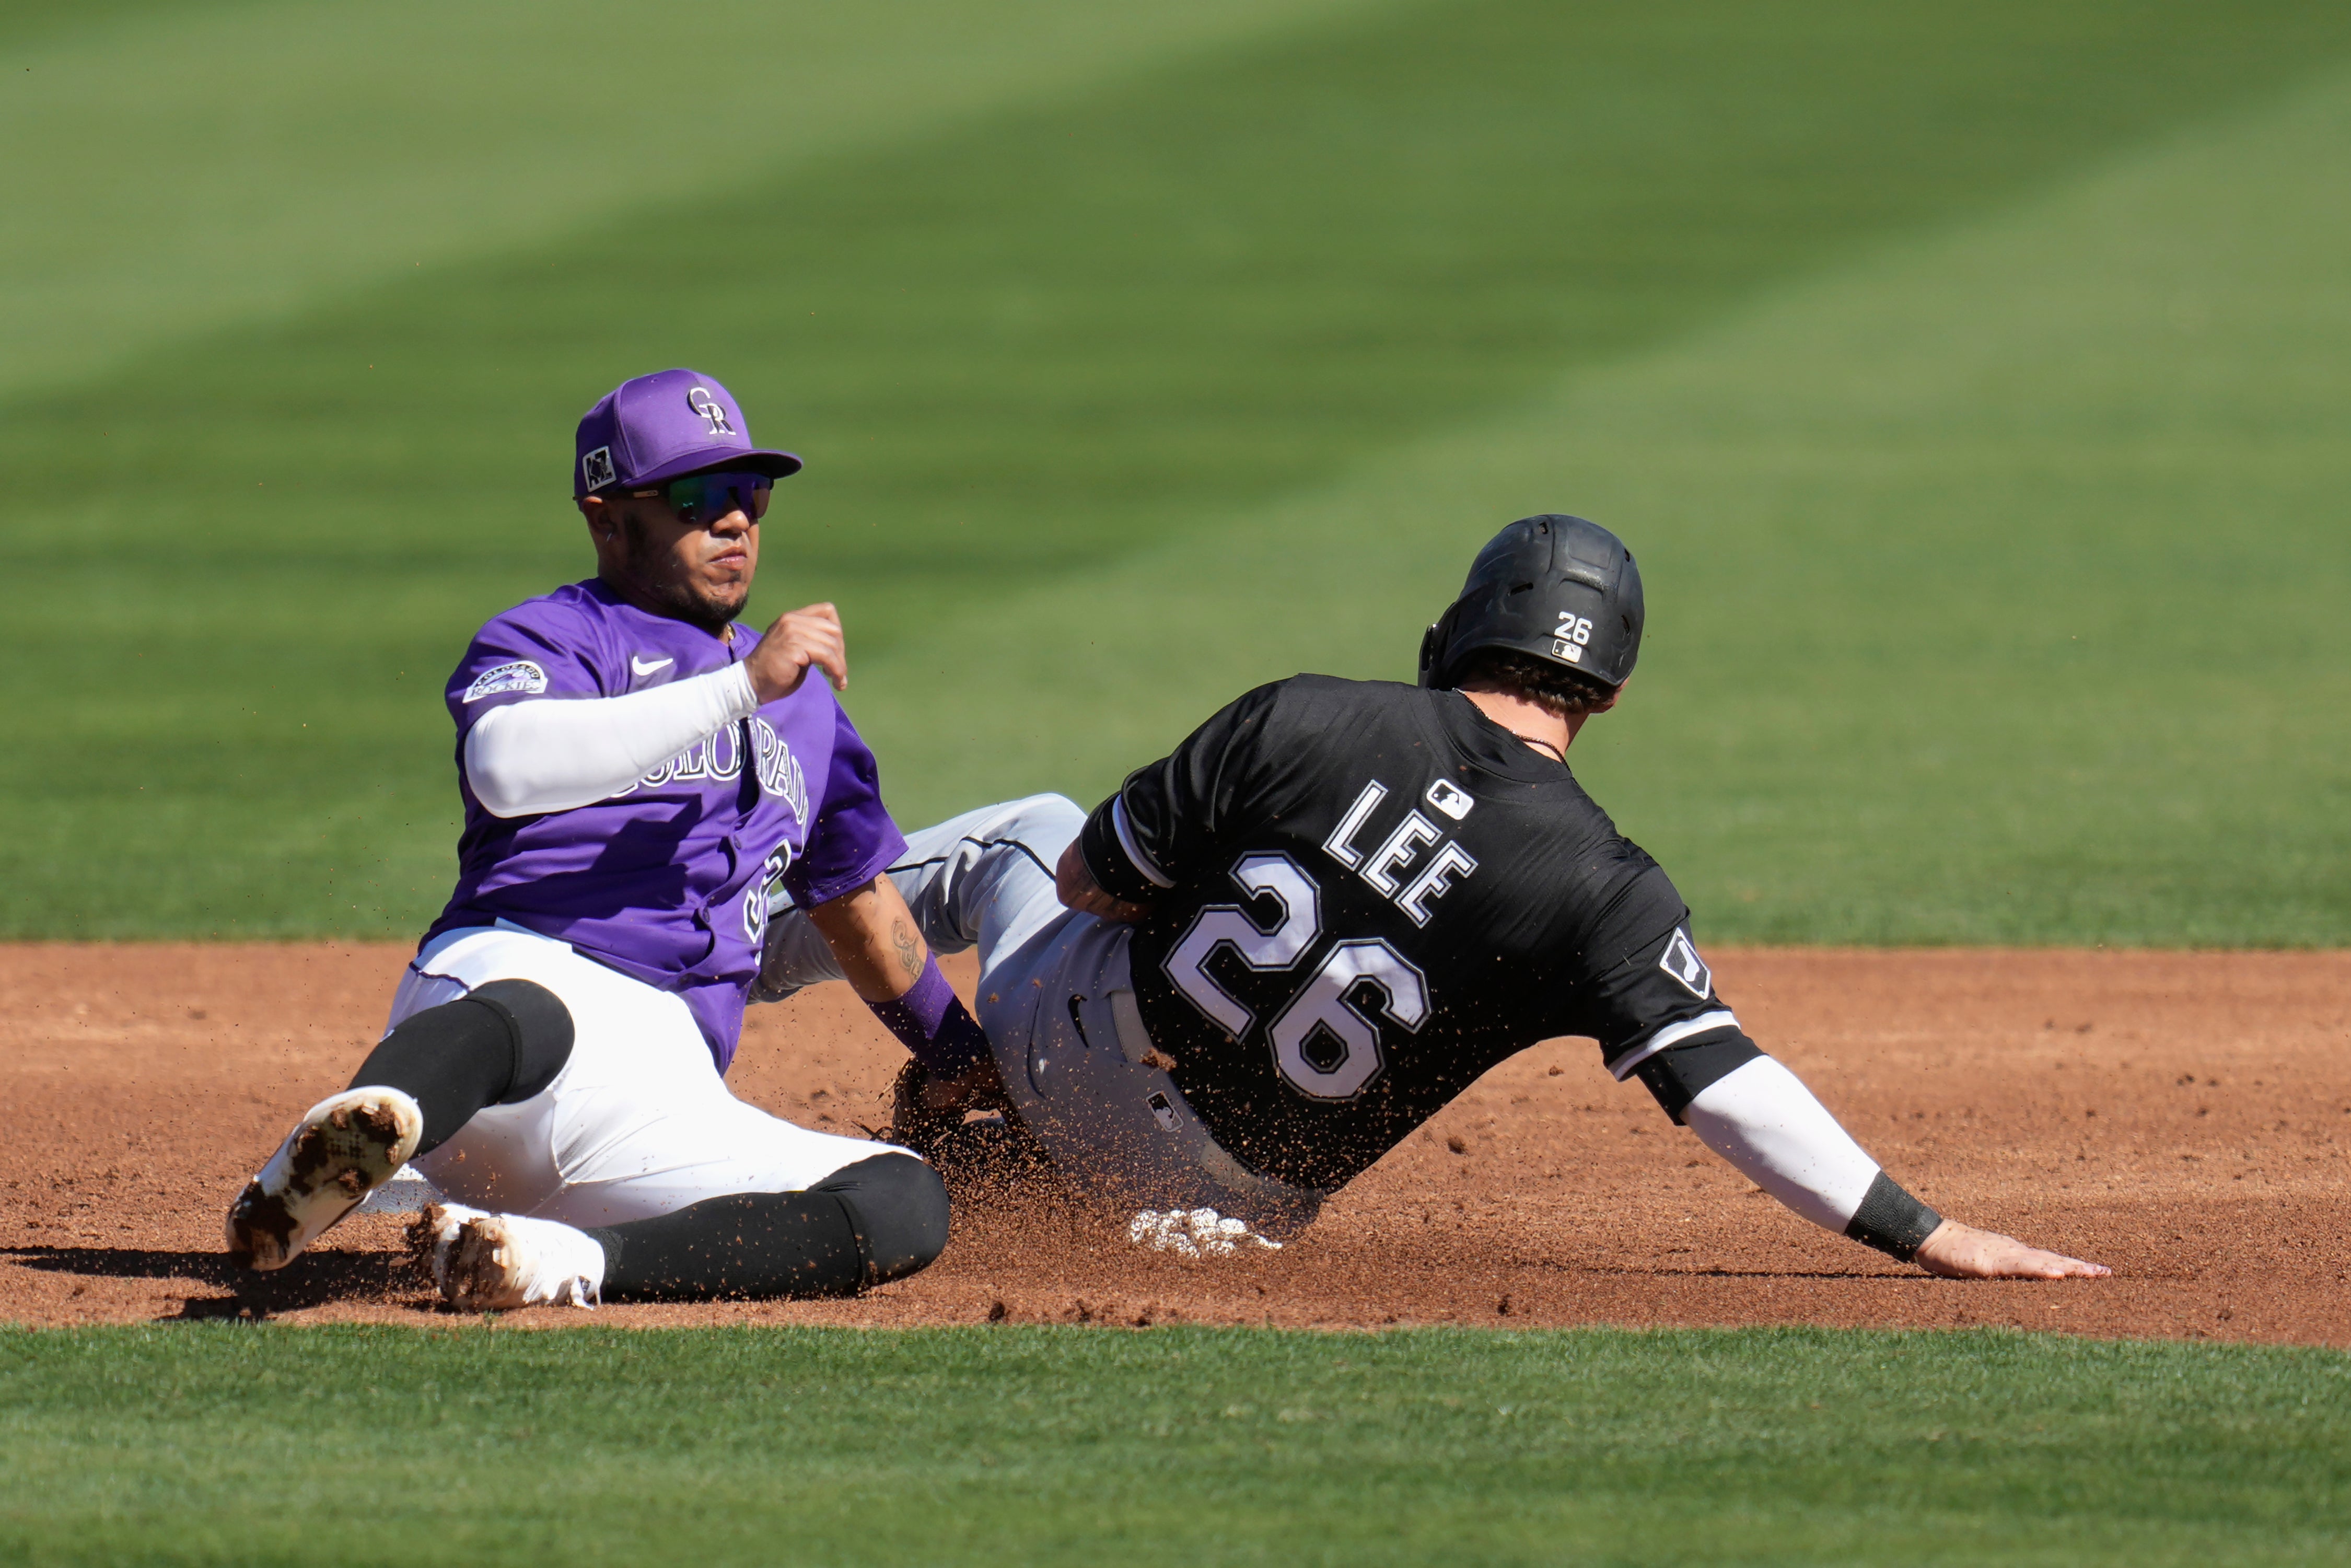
{"x": 1681, "y": 961}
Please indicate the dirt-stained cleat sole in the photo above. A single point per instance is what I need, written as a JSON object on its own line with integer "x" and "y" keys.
{"x": 496, "y": 1262}
{"x": 343, "y": 1148}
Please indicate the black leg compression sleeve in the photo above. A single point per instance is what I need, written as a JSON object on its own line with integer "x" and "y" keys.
{"x": 745, "y": 1244}
{"x": 899, "y": 1206}
{"x": 498, "y": 1045}
{"x": 877, "y": 1220}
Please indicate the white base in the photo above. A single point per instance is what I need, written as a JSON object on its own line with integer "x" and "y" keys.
{"x": 1195, "y": 1233}
{"x": 405, "y": 1192}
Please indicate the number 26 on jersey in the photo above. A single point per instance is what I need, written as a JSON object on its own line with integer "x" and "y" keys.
{"x": 1324, "y": 1045}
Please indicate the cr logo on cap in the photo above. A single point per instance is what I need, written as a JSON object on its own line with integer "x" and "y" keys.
{"x": 710, "y": 408}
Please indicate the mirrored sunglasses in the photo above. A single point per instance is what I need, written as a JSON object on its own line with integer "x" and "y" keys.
{"x": 699, "y": 498}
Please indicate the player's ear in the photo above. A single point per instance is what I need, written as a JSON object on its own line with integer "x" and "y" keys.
{"x": 1619, "y": 692}
{"x": 601, "y": 521}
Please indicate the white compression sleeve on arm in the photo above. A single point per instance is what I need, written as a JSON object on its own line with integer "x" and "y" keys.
{"x": 551, "y": 754}
{"x": 1764, "y": 1120}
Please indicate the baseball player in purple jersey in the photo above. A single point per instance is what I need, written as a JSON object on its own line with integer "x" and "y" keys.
{"x": 642, "y": 777}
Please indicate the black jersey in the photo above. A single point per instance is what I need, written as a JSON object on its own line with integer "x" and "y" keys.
{"x": 1362, "y": 896}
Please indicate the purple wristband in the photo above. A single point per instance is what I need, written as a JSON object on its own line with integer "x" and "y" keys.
{"x": 931, "y": 1021}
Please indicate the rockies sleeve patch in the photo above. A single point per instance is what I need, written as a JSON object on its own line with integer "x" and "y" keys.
{"x": 522, "y": 675}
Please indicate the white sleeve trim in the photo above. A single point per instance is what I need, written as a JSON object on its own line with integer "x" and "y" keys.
{"x": 1125, "y": 830}
{"x": 553, "y": 754}
{"x": 1764, "y": 1120}
{"x": 1673, "y": 1034}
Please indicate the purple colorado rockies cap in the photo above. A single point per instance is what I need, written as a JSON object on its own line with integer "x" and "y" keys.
{"x": 654, "y": 428}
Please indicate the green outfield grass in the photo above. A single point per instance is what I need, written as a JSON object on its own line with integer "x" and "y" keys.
{"x": 1970, "y": 382}
{"x": 985, "y": 1445}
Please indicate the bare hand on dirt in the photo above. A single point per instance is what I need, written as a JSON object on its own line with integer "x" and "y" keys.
{"x": 800, "y": 638}
{"x": 1959, "y": 1251}
{"x": 1078, "y": 891}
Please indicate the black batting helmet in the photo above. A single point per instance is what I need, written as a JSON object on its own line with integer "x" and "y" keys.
{"x": 1556, "y": 587}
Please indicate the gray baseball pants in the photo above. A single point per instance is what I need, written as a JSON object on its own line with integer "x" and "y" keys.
{"x": 1058, "y": 1004}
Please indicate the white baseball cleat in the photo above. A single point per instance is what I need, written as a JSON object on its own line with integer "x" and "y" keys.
{"x": 1195, "y": 1233}
{"x": 343, "y": 1148}
{"x": 492, "y": 1262}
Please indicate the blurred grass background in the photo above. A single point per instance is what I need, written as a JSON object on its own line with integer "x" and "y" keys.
{"x": 1972, "y": 385}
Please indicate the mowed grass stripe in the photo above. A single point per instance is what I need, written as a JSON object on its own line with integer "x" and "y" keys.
{"x": 1993, "y": 581}
{"x": 27, "y": 25}
{"x": 175, "y": 170}
{"x": 1014, "y": 352}
{"x": 1172, "y": 1446}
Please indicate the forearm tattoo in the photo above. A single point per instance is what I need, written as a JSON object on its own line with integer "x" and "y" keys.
{"x": 910, "y": 952}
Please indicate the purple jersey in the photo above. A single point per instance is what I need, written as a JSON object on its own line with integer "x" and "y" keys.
{"x": 667, "y": 881}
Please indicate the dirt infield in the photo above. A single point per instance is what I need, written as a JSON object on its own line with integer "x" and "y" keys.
{"x": 2184, "y": 1117}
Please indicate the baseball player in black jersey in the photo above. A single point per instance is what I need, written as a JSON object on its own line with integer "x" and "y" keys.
{"x": 1275, "y": 952}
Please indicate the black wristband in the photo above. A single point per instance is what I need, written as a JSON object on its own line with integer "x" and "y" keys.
{"x": 1891, "y": 1220}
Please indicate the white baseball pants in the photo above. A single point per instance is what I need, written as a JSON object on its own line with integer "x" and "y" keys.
{"x": 638, "y": 1123}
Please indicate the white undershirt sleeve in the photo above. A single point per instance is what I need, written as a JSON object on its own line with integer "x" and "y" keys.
{"x": 551, "y": 754}
{"x": 1763, "y": 1120}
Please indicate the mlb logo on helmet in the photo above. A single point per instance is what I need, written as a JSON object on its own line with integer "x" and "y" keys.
{"x": 653, "y": 429}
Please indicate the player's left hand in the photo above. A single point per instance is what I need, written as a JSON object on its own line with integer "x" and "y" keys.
{"x": 1959, "y": 1251}
{"x": 801, "y": 639}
